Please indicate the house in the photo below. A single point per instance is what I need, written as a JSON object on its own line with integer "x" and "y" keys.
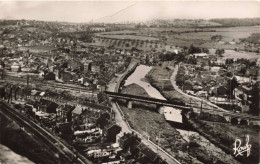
{"x": 76, "y": 113}
{"x": 66, "y": 76}
{"x": 15, "y": 67}
{"x": 102, "y": 120}
{"x": 215, "y": 69}
{"x": 87, "y": 65}
{"x": 75, "y": 65}
{"x": 258, "y": 62}
{"x": 128, "y": 140}
{"x": 242, "y": 93}
{"x": 221, "y": 61}
{"x": 200, "y": 55}
{"x": 95, "y": 68}
{"x": 101, "y": 85}
{"x": 65, "y": 112}
{"x": 242, "y": 80}
{"x": 47, "y": 106}
{"x": 25, "y": 69}
{"x": 98, "y": 29}
{"x": 111, "y": 131}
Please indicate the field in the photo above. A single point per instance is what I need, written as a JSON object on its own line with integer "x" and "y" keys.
{"x": 128, "y": 44}
{"x": 126, "y": 32}
{"x": 37, "y": 49}
{"x": 236, "y": 55}
{"x": 199, "y": 37}
{"x": 130, "y": 37}
{"x": 203, "y": 39}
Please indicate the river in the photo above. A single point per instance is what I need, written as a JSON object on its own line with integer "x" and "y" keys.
{"x": 170, "y": 113}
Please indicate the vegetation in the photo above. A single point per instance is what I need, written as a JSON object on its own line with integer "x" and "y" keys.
{"x": 234, "y": 22}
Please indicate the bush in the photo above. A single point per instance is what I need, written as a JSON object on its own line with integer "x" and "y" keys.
{"x": 193, "y": 144}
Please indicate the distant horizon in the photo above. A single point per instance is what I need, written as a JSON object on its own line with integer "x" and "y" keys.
{"x": 121, "y": 22}
{"x": 126, "y": 11}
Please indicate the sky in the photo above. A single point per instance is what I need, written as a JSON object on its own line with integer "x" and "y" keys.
{"x": 122, "y": 11}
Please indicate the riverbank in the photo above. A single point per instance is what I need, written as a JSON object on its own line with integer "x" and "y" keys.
{"x": 24, "y": 143}
{"x": 154, "y": 77}
{"x": 146, "y": 120}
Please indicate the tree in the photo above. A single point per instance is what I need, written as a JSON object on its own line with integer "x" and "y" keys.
{"x": 219, "y": 51}
{"x": 179, "y": 79}
{"x": 193, "y": 50}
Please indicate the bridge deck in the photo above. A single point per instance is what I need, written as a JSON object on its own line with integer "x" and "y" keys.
{"x": 147, "y": 100}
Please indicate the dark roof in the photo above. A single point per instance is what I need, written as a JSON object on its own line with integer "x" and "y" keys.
{"x": 108, "y": 126}
{"x": 47, "y": 102}
{"x": 67, "y": 108}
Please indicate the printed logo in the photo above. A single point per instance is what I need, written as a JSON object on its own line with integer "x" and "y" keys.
{"x": 239, "y": 150}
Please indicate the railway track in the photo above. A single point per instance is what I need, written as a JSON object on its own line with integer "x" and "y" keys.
{"x": 55, "y": 145}
{"x": 44, "y": 83}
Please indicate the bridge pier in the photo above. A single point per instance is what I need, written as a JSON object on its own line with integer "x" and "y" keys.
{"x": 130, "y": 104}
{"x": 160, "y": 108}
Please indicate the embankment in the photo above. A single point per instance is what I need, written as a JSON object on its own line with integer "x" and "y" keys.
{"x": 23, "y": 143}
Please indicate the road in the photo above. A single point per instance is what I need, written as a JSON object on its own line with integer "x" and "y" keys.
{"x": 217, "y": 109}
{"x": 54, "y": 143}
{"x": 113, "y": 86}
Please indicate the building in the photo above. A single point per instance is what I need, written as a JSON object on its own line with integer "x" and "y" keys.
{"x": 102, "y": 120}
{"x": 66, "y": 76}
{"x": 47, "y": 106}
{"x": 95, "y": 68}
{"x": 98, "y": 29}
{"x": 111, "y": 131}
{"x": 128, "y": 141}
{"x": 65, "y": 112}
{"x": 15, "y": 68}
{"x": 76, "y": 112}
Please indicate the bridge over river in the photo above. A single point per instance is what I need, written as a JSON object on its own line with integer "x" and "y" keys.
{"x": 159, "y": 102}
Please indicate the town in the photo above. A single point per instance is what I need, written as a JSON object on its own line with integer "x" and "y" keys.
{"x": 115, "y": 93}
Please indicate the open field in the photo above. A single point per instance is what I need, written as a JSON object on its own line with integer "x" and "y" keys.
{"x": 203, "y": 39}
{"x": 37, "y": 49}
{"x": 236, "y": 55}
{"x": 126, "y": 32}
{"x": 130, "y": 37}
